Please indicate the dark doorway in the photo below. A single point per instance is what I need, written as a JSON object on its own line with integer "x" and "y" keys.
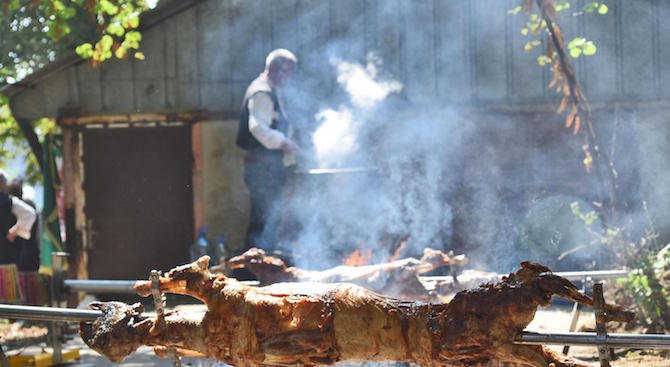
{"x": 139, "y": 199}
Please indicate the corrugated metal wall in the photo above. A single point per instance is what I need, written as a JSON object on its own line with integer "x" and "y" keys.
{"x": 460, "y": 51}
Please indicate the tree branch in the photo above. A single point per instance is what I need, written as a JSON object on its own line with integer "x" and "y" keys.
{"x": 31, "y": 137}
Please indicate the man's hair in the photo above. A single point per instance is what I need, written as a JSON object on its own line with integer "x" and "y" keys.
{"x": 15, "y": 187}
{"x": 3, "y": 177}
{"x": 280, "y": 54}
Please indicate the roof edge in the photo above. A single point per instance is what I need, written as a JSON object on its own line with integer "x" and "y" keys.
{"x": 149, "y": 20}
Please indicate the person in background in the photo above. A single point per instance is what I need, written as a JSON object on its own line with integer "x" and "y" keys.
{"x": 16, "y": 221}
{"x": 29, "y": 249}
{"x": 265, "y": 133}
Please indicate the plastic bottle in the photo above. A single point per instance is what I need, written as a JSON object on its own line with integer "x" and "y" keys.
{"x": 202, "y": 246}
{"x": 220, "y": 248}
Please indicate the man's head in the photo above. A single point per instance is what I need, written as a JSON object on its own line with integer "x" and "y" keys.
{"x": 15, "y": 188}
{"x": 279, "y": 66}
{"x": 3, "y": 180}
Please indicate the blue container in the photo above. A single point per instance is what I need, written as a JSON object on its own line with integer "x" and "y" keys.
{"x": 202, "y": 247}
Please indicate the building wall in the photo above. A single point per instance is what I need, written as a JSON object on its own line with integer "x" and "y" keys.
{"x": 225, "y": 198}
{"x": 452, "y": 51}
{"x": 444, "y": 52}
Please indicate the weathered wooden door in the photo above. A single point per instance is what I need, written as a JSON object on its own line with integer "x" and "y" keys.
{"x": 139, "y": 199}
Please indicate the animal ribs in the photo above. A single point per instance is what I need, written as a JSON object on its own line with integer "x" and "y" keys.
{"x": 314, "y": 324}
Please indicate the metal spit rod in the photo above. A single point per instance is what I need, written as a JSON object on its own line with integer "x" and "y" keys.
{"x": 100, "y": 286}
{"x": 93, "y": 286}
{"x": 47, "y": 313}
{"x": 570, "y": 275}
{"x": 638, "y": 341}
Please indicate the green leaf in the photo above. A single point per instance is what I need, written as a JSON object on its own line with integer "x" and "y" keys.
{"x": 139, "y": 55}
{"x": 543, "y": 60}
{"x": 514, "y": 11}
{"x": 134, "y": 21}
{"x": 121, "y": 52}
{"x": 576, "y": 42}
{"x": 524, "y": 31}
{"x": 575, "y": 52}
{"x": 134, "y": 36}
{"x": 106, "y": 42}
{"x": 108, "y": 7}
{"x": 591, "y": 7}
{"x": 68, "y": 13}
{"x": 603, "y": 9}
{"x": 57, "y": 5}
{"x": 85, "y": 50}
{"x": 116, "y": 29}
{"x": 589, "y": 49}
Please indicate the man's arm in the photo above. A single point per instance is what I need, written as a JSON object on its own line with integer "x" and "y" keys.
{"x": 25, "y": 217}
{"x": 261, "y": 111}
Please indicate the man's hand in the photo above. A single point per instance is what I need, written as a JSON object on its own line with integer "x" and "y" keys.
{"x": 289, "y": 147}
{"x": 11, "y": 236}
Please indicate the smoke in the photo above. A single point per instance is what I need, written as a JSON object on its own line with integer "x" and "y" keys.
{"x": 396, "y": 189}
{"x": 434, "y": 164}
{"x": 361, "y": 83}
{"x": 336, "y": 136}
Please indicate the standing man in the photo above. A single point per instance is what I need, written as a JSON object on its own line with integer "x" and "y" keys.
{"x": 264, "y": 132}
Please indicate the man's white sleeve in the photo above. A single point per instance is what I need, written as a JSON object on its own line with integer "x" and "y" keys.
{"x": 261, "y": 112}
{"x": 25, "y": 217}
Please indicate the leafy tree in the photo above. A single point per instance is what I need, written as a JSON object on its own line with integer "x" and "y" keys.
{"x": 542, "y": 20}
{"x": 35, "y": 32}
{"x": 643, "y": 285}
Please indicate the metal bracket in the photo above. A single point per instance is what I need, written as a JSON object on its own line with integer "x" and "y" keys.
{"x": 576, "y": 310}
{"x": 452, "y": 269}
{"x": 3, "y": 358}
{"x": 601, "y": 324}
{"x": 159, "y": 299}
{"x": 159, "y": 305}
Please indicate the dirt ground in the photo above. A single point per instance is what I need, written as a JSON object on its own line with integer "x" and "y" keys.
{"x": 553, "y": 319}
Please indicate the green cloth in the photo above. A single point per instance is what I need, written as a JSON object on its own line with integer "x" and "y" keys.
{"x": 51, "y": 237}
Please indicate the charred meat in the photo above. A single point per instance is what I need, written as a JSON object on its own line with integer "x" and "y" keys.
{"x": 314, "y": 324}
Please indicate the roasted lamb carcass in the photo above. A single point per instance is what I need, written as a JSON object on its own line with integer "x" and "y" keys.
{"x": 399, "y": 279}
{"x": 314, "y": 324}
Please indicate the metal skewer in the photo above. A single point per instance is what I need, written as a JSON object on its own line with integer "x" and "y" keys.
{"x": 569, "y": 275}
{"x": 47, "y": 313}
{"x": 636, "y": 341}
{"x": 93, "y": 286}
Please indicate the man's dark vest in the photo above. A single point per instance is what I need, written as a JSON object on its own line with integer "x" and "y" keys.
{"x": 245, "y": 139}
{"x": 9, "y": 252}
{"x": 7, "y": 219}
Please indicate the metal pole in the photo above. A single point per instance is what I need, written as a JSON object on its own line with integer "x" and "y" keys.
{"x": 595, "y": 274}
{"x": 636, "y": 341}
{"x": 569, "y": 275}
{"x": 574, "y": 316}
{"x": 58, "y": 263}
{"x": 93, "y": 286}
{"x": 47, "y": 313}
{"x": 100, "y": 286}
{"x": 601, "y": 324}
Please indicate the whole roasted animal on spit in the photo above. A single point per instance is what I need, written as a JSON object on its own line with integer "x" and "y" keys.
{"x": 398, "y": 279}
{"x": 316, "y": 324}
